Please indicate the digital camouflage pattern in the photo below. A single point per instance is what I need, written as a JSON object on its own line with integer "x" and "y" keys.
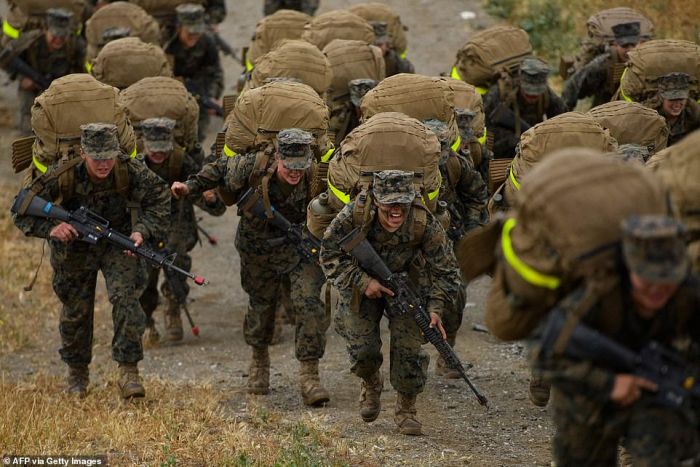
{"x": 293, "y": 147}
{"x": 358, "y": 316}
{"x": 264, "y": 266}
{"x": 305, "y": 6}
{"x": 59, "y": 21}
{"x": 76, "y": 264}
{"x": 687, "y": 122}
{"x": 533, "y": 76}
{"x": 599, "y": 78}
{"x": 393, "y": 187}
{"x": 191, "y": 16}
{"x": 99, "y": 141}
{"x": 358, "y": 88}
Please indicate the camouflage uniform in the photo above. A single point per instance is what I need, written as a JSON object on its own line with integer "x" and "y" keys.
{"x": 347, "y": 118}
{"x": 51, "y": 64}
{"x": 199, "y": 66}
{"x": 589, "y": 425}
{"x": 504, "y": 112}
{"x": 395, "y": 61}
{"x": 305, "y": 6}
{"x": 676, "y": 86}
{"x": 600, "y": 77}
{"x": 263, "y": 265}
{"x": 361, "y": 315}
{"x": 76, "y": 264}
{"x": 182, "y": 235}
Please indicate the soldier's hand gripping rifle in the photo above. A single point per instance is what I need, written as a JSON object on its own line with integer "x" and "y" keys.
{"x": 308, "y": 246}
{"x": 93, "y": 228}
{"x": 675, "y": 378}
{"x": 405, "y": 301}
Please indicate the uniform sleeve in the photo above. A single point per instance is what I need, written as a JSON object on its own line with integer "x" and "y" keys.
{"x": 339, "y": 267}
{"x": 231, "y": 173}
{"x": 585, "y": 82}
{"x": 473, "y": 194}
{"x": 444, "y": 273}
{"x": 556, "y": 105}
{"x": 192, "y": 166}
{"x": 39, "y": 226}
{"x": 153, "y": 195}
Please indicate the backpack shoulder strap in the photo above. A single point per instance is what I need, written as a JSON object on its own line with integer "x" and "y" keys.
{"x": 420, "y": 220}
{"x": 175, "y": 163}
{"x": 454, "y": 170}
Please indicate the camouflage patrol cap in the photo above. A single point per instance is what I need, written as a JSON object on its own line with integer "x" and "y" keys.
{"x": 441, "y": 130}
{"x": 393, "y": 187}
{"x": 533, "y": 76}
{"x": 113, "y": 33}
{"x": 674, "y": 86}
{"x": 282, "y": 79}
{"x": 99, "y": 141}
{"x": 158, "y": 134}
{"x": 358, "y": 88}
{"x": 633, "y": 153}
{"x": 294, "y": 148}
{"x": 191, "y": 16}
{"x": 627, "y": 33}
{"x": 381, "y": 32}
{"x": 464, "y": 118}
{"x": 59, "y": 21}
{"x": 654, "y": 248}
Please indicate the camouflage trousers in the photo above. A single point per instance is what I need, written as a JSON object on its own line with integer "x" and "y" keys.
{"x": 149, "y": 297}
{"x": 408, "y": 363}
{"x": 454, "y": 313}
{"x": 306, "y": 6}
{"x": 588, "y": 433}
{"x": 261, "y": 278}
{"x": 75, "y": 276}
{"x": 24, "y": 111}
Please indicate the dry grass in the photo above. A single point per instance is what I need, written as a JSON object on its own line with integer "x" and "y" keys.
{"x": 183, "y": 425}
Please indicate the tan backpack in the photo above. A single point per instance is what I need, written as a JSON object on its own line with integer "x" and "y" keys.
{"x": 72, "y": 101}
{"x": 293, "y": 59}
{"x": 380, "y": 12}
{"x": 418, "y": 96}
{"x": 496, "y": 50}
{"x": 389, "y": 140}
{"x": 282, "y": 24}
{"x": 160, "y": 8}
{"x": 565, "y": 226}
{"x": 651, "y": 60}
{"x": 123, "y": 15}
{"x": 632, "y": 123}
{"x": 338, "y": 24}
{"x": 568, "y": 130}
{"x": 125, "y": 61}
{"x": 160, "y": 96}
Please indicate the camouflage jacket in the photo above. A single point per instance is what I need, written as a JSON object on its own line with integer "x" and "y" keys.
{"x": 398, "y": 251}
{"x": 687, "y": 122}
{"x": 505, "y": 138}
{"x": 677, "y": 326}
{"x": 466, "y": 199}
{"x": 594, "y": 79}
{"x": 183, "y": 222}
{"x": 145, "y": 188}
{"x": 234, "y": 173}
{"x": 56, "y": 63}
{"x": 198, "y": 66}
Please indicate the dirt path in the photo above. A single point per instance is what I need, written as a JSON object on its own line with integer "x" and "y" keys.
{"x": 459, "y": 431}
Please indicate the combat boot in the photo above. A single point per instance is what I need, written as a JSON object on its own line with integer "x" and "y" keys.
{"x": 370, "y": 397}
{"x": 259, "y": 372}
{"x": 312, "y": 392}
{"x": 129, "y": 381}
{"x": 405, "y": 415}
{"x": 539, "y": 391}
{"x": 77, "y": 380}
{"x": 151, "y": 338}
{"x": 173, "y": 322}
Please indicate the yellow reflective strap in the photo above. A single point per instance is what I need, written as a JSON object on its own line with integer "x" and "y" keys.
{"x": 482, "y": 138}
{"x": 134, "y": 153}
{"x": 343, "y": 197}
{"x": 458, "y": 142}
{"x": 248, "y": 65}
{"x": 433, "y": 194}
{"x": 9, "y": 30}
{"x": 88, "y": 67}
{"x": 516, "y": 184}
{"x": 228, "y": 152}
{"x": 327, "y": 156}
{"x": 481, "y": 90}
{"x": 529, "y": 274}
{"x": 403, "y": 55}
{"x": 41, "y": 167}
{"x": 455, "y": 74}
{"x": 624, "y": 96}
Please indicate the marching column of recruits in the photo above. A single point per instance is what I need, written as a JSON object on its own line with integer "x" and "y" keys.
{"x": 597, "y": 407}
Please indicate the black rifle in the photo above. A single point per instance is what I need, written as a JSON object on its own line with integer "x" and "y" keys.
{"x": 675, "y": 378}
{"x": 203, "y": 99}
{"x": 93, "y": 228}
{"x": 406, "y": 301}
{"x": 504, "y": 117}
{"x": 307, "y": 245}
{"x": 15, "y": 65}
{"x": 457, "y": 227}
